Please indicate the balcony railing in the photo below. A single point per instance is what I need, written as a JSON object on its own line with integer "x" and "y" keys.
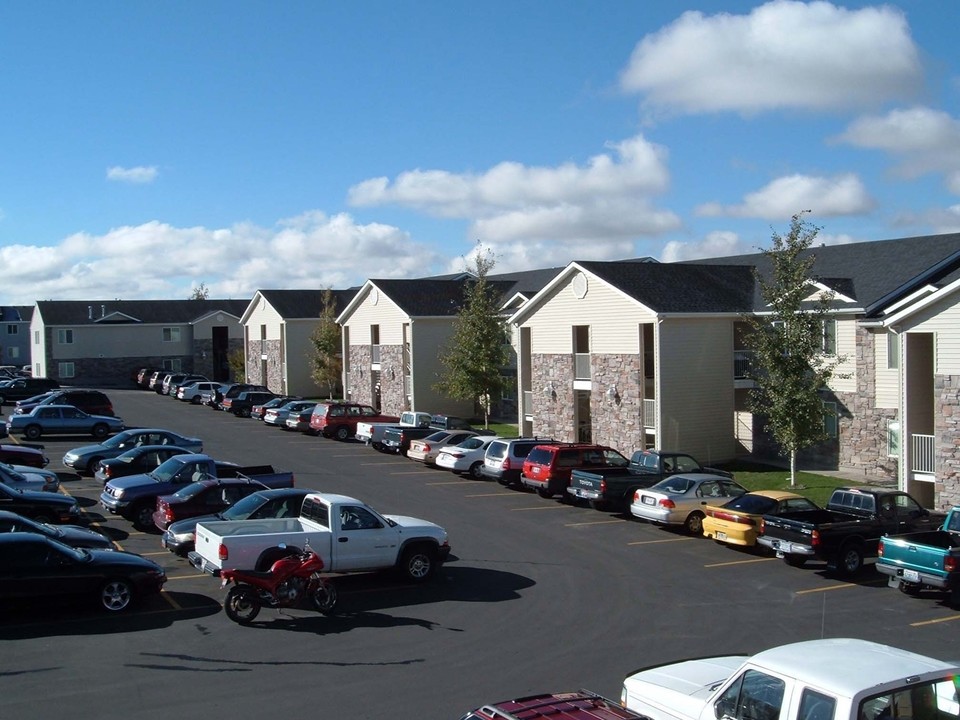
{"x": 923, "y": 453}
{"x": 742, "y": 362}
{"x": 581, "y": 366}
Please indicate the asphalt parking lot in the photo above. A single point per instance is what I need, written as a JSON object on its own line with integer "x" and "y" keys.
{"x": 539, "y": 596}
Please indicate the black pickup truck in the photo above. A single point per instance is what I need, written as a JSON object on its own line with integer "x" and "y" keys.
{"x": 847, "y": 530}
{"x": 613, "y": 487}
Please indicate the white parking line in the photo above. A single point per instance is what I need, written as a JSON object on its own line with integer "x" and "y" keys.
{"x": 539, "y": 507}
{"x": 594, "y": 522}
{"x": 665, "y": 540}
{"x": 739, "y": 562}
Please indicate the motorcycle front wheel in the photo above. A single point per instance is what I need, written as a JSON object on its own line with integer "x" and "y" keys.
{"x": 324, "y": 597}
{"x": 241, "y": 604}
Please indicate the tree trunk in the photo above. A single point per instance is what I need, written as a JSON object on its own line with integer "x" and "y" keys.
{"x": 793, "y": 468}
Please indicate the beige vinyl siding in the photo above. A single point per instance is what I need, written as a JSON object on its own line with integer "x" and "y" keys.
{"x": 264, "y": 314}
{"x": 846, "y": 347}
{"x": 695, "y": 387}
{"x": 108, "y": 341}
{"x": 942, "y": 319}
{"x": 612, "y": 317}
{"x": 428, "y": 339}
{"x": 384, "y": 313}
{"x": 887, "y": 379}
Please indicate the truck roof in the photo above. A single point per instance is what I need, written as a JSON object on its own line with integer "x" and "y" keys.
{"x": 848, "y": 666}
{"x": 333, "y": 498}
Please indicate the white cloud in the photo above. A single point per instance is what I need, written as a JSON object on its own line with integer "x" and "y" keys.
{"x": 784, "y": 197}
{"x": 604, "y": 200}
{"x": 924, "y": 140}
{"x": 781, "y": 55}
{"x": 940, "y": 220}
{"x": 135, "y": 176}
{"x": 716, "y": 244}
{"x": 159, "y": 261}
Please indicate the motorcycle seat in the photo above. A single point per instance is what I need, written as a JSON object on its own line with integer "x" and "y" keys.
{"x": 260, "y": 574}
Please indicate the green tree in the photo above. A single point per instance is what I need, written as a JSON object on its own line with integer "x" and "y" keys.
{"x": 238, "y": 365}
{"x": 790, "y": 366}
{"x": 201, "y": 292}
{"x": 326, "y": 357}
{"x": 477, "y": 351}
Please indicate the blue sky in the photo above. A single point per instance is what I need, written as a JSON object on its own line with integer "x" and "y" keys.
{"x": 146, "y": 148}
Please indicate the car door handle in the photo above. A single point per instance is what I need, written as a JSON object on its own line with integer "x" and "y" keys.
{"x": 342, "y": 539}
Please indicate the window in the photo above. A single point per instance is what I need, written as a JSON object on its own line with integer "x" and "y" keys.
{"x": 66, "y": 370}
{"x": 36, "y": 337}
{"x": 13, "y": 329}
{"x": 830, "y": 419}
{"x": 893, "y": 351}
{"x": 171, "y": 334}
{"x": 829, "y": 340}
{"x": 816, "y": 706}
{"x": 893, "y": 438}
{"x": 752, "y": 696}
{"x": 13, "y": 353}
{"x": 171, "y": 365}
{"x": 65, "y": 337}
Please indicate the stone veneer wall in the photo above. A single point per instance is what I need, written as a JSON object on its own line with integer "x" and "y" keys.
{"x": 617, "y": 422}
{"x": 552, "y": 414}
{"x": 359, "y": 378}
{"x": 947, "y": 393}
{"x": 393, "y": 399}
{"x": 863, "y": 426}
{"x": 272, "y": 349}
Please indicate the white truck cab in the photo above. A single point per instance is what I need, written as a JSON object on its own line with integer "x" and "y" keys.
{"x": 830, "y": 679}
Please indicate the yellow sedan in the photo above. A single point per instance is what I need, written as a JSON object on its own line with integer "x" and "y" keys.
{"x": 736, "y": 522}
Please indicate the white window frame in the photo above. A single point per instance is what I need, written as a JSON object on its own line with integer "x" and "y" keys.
{"x": 13, "y": 329}
{"x": 893, "y": 351}
{"x": 66, "y": 369}
{"x": 65, "y": 336}
{"x": 828, "y": 336}
{"x": 894, "y": 438}
{"x": 171, "y": 334}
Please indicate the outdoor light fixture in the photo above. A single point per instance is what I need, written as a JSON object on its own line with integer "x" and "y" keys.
{"x": 612, "y": 393}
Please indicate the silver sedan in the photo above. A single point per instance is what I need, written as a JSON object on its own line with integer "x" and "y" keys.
{"x": 679, "y": 499}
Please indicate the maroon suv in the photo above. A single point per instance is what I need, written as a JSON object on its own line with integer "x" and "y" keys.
{"x": 547, "y": 468}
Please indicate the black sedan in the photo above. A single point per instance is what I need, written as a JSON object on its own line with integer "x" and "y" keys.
{"x": 283, "y": 502}
{"x": 136, "y": 461}
{"x": 33, "y": 566}
{"x": 72, "y": 535}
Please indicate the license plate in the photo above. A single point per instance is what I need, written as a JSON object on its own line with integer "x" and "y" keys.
{"x": 536, "y": 470}
{"x": 646, "y": 500}
{"x": 911, "y": 576}
{"x": 721, "y": 536}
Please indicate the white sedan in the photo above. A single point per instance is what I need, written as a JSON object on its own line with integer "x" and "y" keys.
{"x": 467, "y": 457}
{"x": 679, "y": 499}
{"x": 427, "y": 449}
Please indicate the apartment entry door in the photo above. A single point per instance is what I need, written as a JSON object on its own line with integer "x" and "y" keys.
{"x": 582, "y": 417}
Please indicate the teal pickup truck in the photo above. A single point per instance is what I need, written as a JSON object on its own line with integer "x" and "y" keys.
{"x": 930, "y": 559}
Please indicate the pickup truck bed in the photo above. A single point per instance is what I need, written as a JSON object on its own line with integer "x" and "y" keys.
{"x": 929, "y": 559}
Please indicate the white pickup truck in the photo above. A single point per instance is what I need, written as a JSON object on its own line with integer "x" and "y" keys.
{"x": 371, "y": 433}
{"x": 831, "y": 679}
{"x": 349, "y": 535}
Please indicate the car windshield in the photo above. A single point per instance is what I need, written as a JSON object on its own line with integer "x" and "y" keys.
{"x": 472, "y": 443}
{"x": 166, "y": 470}
{"x": 117, "y": 440}
{"x": 674, "y": 485}
{"x": 752, "y": 504}
{"x": 12, "y": 473}
{"x": 189, "y": 491}
{"x": 242, "y": 509}
{"x": 437, "y": 436}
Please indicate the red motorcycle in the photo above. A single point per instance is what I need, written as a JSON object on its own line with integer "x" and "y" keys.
{"x": 291, "y": 579}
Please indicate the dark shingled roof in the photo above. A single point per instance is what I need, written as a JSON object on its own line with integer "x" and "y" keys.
{"x": 438, "y": 297}
{"x": 292, "y": 304}
{"x": 875, "y": 273}
{"x": 90, "y": 312}
{"x": 678, "y": 288}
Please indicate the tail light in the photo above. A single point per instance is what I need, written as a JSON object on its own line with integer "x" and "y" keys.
{"x": 815, "y": 538}
{"x": 426, "y": 448}
{"x": 636, "y": 496}
{"x": 223, "y": 553}
{"x": 667, "y": 503}
{"x": 505, "y": 465}
{"x": 949, "y": 563}
{"x": 763, "y": 526}
{"x": 880, "y": 548}
{"x": 603, "y": 486}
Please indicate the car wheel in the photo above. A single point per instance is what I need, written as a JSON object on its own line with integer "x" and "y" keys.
{"x": 694, "y": 523}
{"x": 795, "y": 560}
{"x": 418, "y": 562}
{"x": 544, "y": 493}
{"x": 116, "y": 595}
{"x": 92, "y": 464}
{"x": 32, "y": 432}
{"x": 476, "y": 470}
{"x": 100, "y": 431}
{"x": 143, "y": 517}
{"x": 342, "y": 433}
{"x": 851, "y": 559}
